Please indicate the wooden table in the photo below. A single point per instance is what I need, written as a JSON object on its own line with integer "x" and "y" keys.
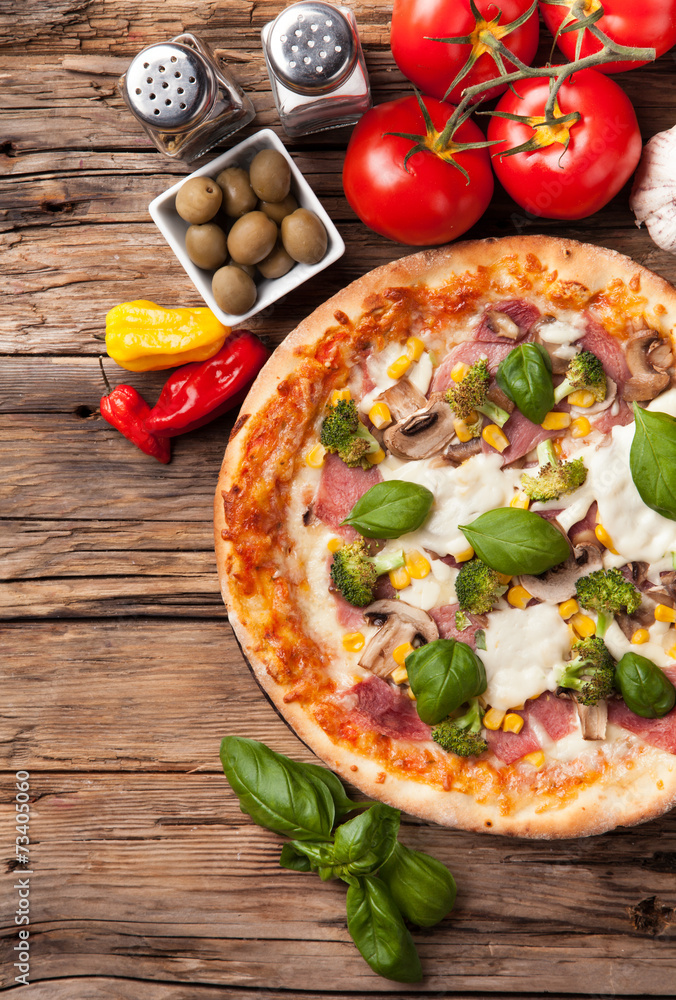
{"x": 120, "y": 672}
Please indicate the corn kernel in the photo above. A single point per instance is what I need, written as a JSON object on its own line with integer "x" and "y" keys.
{"x": 568, "y": 608}
{"x": 536, "y": 758}
{"x": 465, "y": 555}
{"x": 417, "y": 566}
{"x": 399, "y": 367}
{"x": 605, "y": 538}
{"x": 503, "y": 578}
{"x": 672, "y": 652}
{"x": 399, "y": 676}
{"x": 520, "y": 500}
{"x": 582, "y": 397}
{"x": 518, "y": 597}
{"x": 414, "y": 348}
{"x": 493, "y": 718}
{"x": 461, "y": 428}
{"x": 583, "y": 625}
{"x": 411, "y": 695}
{"x": 513, "y": 723}
{"x": 640, "y": 636}
{"x": 334, "y": 544}
{"x": 380, "y": 415}
{"x": 353, "y": 642}
{"x": 376, "y": 457}
{"x": 495, "y": 437}
{"x": 556, "y": 420}
{"x": 315, "y": 457}
{"x": 399, "y": 578}
{"x": 339, "y": 394}
{"x": 580, "y": 427}
{"x": 558, "y": 448}
{"x": 399, "y": 653}
{"x": 459, "y": 371}
{"x": 663, "y": 613}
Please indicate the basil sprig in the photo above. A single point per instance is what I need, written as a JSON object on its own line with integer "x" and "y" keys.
{"x": 390, "y": 509}
{"x": 387, "y": 881}
{"x": 525, "y": 375}
{"x": 515, "y": 541}
{"x": 647, "y": 691}
{"x": 443, "y": 675}
{"x": 652, "y": 460}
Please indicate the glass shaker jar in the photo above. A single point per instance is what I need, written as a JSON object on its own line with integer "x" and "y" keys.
{"x": 185, "y": 99}
{"x": 316, "y": 67}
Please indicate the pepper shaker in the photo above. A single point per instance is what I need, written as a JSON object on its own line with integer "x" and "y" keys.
{"x": 185, "y": 99}
{"x": 316, "y": 67}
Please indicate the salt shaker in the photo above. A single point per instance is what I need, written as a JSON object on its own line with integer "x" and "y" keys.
{"x": 316, "y": 67}
{"x": 185, "y": 99}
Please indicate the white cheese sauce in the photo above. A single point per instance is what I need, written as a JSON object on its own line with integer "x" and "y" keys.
{"x": 419, "y": 373}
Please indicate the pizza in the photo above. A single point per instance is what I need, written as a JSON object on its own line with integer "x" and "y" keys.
{"x": 564, "y": 746}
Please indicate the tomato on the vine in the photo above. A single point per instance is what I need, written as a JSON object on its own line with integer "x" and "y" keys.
{"x": 434, "y": 65}
{"x": 603, "y": 146}
{"x": 650, "y": 24}
{"x": 421, "y": 197}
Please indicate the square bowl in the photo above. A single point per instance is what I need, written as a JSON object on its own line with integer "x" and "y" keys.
{"x": 163, "y": 213}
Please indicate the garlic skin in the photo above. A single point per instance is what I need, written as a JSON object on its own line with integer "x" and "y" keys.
{"x": 653, "y": 196}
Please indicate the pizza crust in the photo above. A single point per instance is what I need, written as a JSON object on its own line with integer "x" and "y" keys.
{"x": 636, "y": 782}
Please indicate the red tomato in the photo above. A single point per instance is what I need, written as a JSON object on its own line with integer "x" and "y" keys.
{"x": 604, "y": 148}
{"x": 432, "y": 66}
{"x": 650, "y": 24}
{"x": 428, "y": 201}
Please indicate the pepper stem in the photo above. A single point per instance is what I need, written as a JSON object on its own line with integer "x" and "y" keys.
{"x": 108, "y": 388}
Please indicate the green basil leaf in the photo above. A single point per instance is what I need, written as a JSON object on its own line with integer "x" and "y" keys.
{"x": 278, "y": 793}
{"x": 343, "y": 804}
{"x": 319, "y": 855}
{"x": 647, "y": 691}
{"x": 422, "y": 887}
{"x": 294, "y": 859}
{"x": 516, "y": 541}
{"x": 366, "y": 842}
{"x": 443, "y": 675}
{"x": 525, "y": 375}
{"x": 652, "y": 460}
{"x": 390, "y": 509}
{"x": 379, "y": 932}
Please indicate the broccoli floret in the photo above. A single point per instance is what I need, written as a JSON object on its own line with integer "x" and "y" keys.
{"x": 354, "y": 572}
{"x": 344, "y": 434}
{"x": 607, "y": 592}
{"x": 592, "y": 672}
{"x": 554, "y": 479}
{"x": 470, "y": 394}
{"x": 585, "y": 371}
{"x": 477, "y": 587}
{"x": 462, "y": 735}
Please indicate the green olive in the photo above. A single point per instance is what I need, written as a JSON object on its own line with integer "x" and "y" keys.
{"x": 207, "y": 246}
{"x": 233, "y": 290}
{"x": 270, "y": 175}
{"x": 276, "y": 263}
{"x": 198, "y": 200}
{"x": 238, "y": 195}
{"x": 304, "y": 236}
{"x": 251, "y": 238}
{"x": 278, "y": 210}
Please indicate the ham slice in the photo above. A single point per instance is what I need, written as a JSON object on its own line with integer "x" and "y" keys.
{"x": 608, "y": 350}
{"x": 523, "y": 437}
{"x": 519, "y": 311}
{"x": 606, "y": 420}
{"x": 660, "y": 733}
{"x": 445, "y": 619}
{"x": 556, "y": 715}
{"x": 469, "y": 352}
{"x": 380, "y": 707}
{"x": 339, "y": 489}
{"x": 510, "y": 747}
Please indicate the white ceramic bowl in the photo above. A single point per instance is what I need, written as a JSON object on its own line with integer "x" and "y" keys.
{"x": 174, "y": 228}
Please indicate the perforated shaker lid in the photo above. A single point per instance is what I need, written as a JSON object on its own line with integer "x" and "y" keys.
{"x": 311, "y": 47}
{"x": 170, "y": 86}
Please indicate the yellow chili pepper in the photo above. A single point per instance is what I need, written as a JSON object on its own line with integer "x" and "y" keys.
{"x": 142, "y": 336}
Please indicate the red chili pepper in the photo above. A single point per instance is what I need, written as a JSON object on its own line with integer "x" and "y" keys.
{"x": 198, "y": 393}
{"x": 126, "y": 410}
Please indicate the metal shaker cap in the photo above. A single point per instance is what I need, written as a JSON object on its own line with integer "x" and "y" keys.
{"x": 170, "y": 86}
{"x": 311, "y": 47}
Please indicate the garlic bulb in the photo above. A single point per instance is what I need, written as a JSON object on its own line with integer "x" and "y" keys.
{"x": 653, "y": 197}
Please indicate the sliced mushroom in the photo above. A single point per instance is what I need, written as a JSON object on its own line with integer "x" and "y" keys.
{"x": 398, "y": 623}
{"x": 647, "y": 379}
{"x": 593, "y": 719}
{"x": 424, "y": 433}
{"x": 501, "y": 399}
{"x": 503, "y": 325}
{"x": 459, "y": 451}
{"x": 558, "y": 583}
{"x": 403, "y": 399}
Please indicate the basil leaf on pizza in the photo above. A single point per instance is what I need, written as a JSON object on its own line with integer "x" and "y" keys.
{"x": 422, "y": 887}
{"x": 646, "y": 689}
{"x": 515, "y": 541}
{"x": 377, "y": 928}
{"x": 652, "y": 460}
{"x": 444, "y": 674}
{"x": 390, "y": 509}
{"x": 525, "y": 375}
